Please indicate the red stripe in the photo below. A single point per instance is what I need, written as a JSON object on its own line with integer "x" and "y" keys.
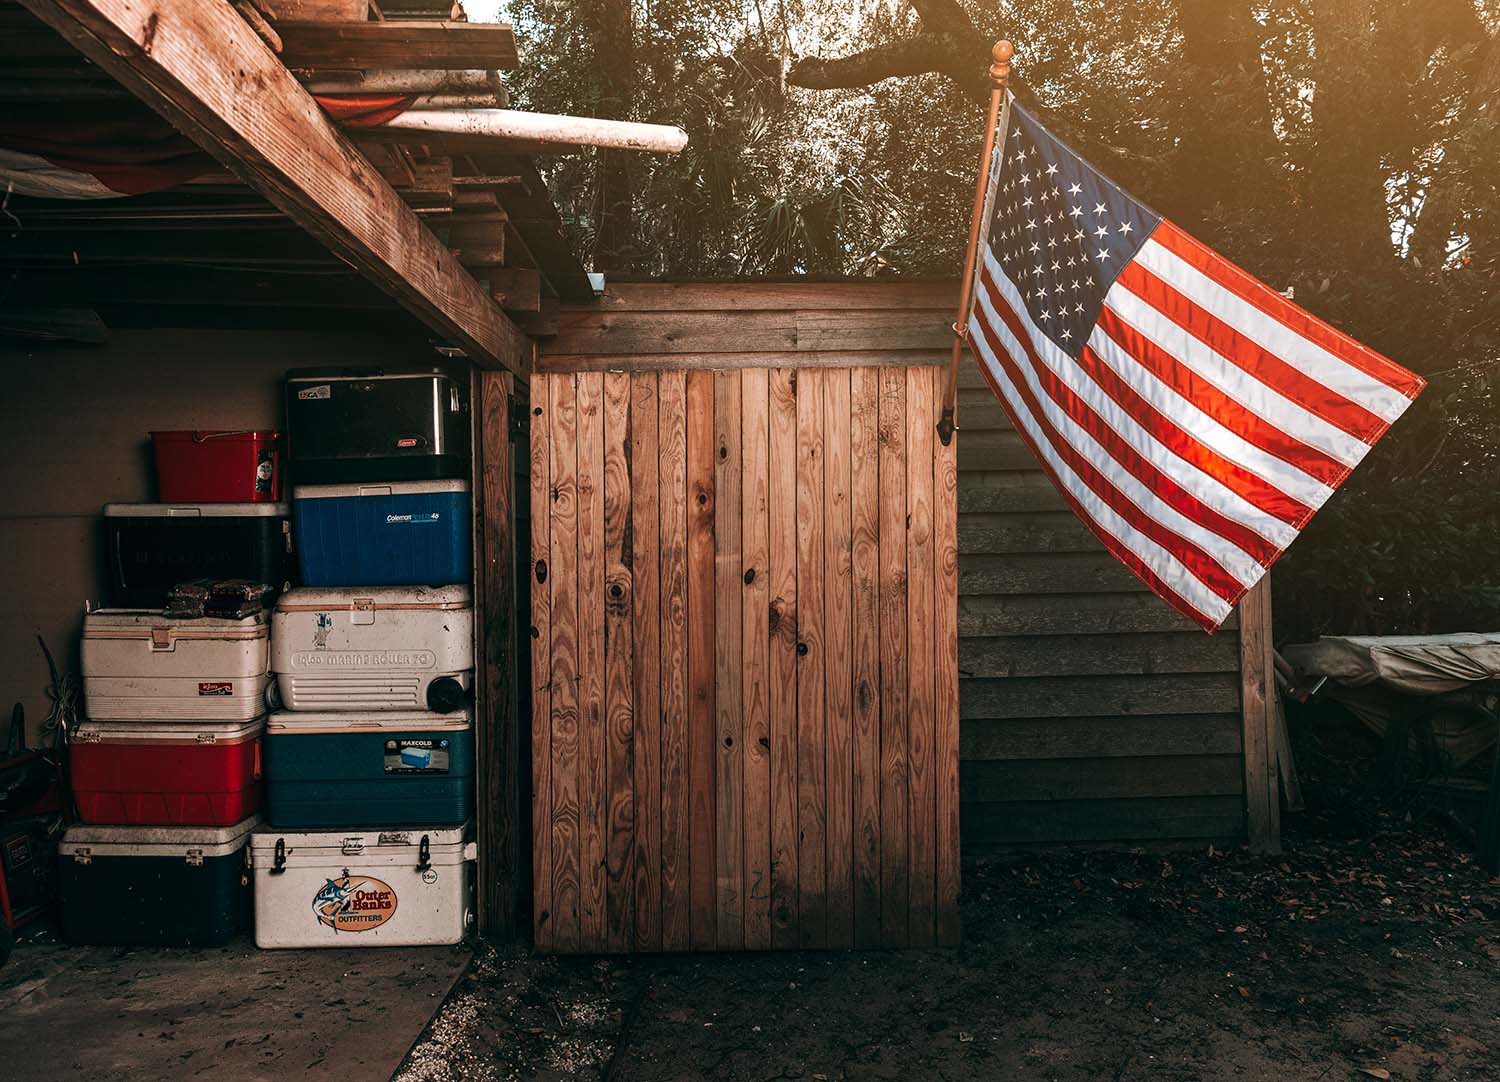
{"x": 1161, "y": 484}
{"x": 1113, "y": 544}
{"x": 1277, "y": 307}
{"x": 1261, "y": 364}
{"x": 1199, "y": 562}
{"x": 1250, "y": 427}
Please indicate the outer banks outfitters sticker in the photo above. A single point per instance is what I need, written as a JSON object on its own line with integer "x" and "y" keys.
{"x": 354, "y": 903}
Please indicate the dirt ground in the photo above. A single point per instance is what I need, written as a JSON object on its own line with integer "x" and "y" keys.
{"x": 1369, "y": 949}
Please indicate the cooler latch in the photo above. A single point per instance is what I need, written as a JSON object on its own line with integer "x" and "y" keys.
{"x": 83, "y": 856}
{"x": 424, "y": 855}
{"x": 195, "y": 857}
{"x": 278, "y": 859}
{"x": 362, "y": 610}
{"x": 162, "y": 638}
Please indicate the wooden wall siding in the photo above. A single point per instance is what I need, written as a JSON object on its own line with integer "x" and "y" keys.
{"x": 1090, "y": 711}
{"x": 745, "y": 731}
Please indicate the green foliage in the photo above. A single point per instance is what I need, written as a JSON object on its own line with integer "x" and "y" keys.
{"x": 1355, "y": 161}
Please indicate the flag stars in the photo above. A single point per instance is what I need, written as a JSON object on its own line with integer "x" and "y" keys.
{"x": 1101, "y": 232}
{"x": 1052, "y": 170}
{"x": 1075, "y": 188}
{"x": 1100, "y": 208}
{"x": 1103, "y": 254}
{"x": 1125, "y": 229}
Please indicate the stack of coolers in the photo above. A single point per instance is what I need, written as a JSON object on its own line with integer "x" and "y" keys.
{"x": 166, "y": 770}
{"x": 370, "y": 763}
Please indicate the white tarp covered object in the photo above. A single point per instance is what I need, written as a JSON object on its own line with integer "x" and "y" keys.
{"x": 1415, "y": 664}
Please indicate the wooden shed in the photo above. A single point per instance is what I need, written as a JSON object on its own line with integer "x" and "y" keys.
{"x": 761, "y": 659}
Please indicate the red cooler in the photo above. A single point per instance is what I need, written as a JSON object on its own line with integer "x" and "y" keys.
{"x": 196, "y": 773}
{"x": 218, "y": 466}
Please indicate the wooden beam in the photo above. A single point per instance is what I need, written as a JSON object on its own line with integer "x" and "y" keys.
{"x": 199, "y": 65}
{"x": 516, "y": 289}
{"x": 1257, "y": 685}
{"x": 344, "y": 45}
{"x": 497, "y": 706}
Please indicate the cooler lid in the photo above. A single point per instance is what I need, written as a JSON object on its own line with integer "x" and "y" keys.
{"x": 197, "y": 510}
{"x": 84, "y": 840}
{"x": 345, "y": 721}
{"x": 163, "y": 630}
{"x": 352, "y": 841}
{"x": 326, "y": 375}
{"x": 372, "y": 598}
{"x": 211, "y": 435}
{"x": 167, "y": 732}
{"x": 383, "y": 488}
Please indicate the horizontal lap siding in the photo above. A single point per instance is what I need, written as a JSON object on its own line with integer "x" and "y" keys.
{"x": 1089, "y": 710}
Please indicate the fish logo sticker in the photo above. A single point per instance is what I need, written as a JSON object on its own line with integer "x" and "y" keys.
{"x": 354, "y": 903}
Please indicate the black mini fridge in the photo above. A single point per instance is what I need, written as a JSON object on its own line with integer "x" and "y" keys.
{"x": 347, "y": 425}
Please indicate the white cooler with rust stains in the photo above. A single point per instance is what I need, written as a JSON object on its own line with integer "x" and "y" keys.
{"x": 361, "y": 888}
{"x": 374, "y": 648}
{"x": 139, "y": 665}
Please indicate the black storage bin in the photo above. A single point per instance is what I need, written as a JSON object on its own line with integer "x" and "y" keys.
{"x": 358, "y": 425}
{"x": 155, "y": 886}
{"x": 153, "y": 546}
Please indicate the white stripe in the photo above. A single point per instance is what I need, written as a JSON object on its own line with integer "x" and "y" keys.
{"x": 1166, "y": 566}
{"x": 1309, "y": 358}
{"x": 1207, "y": 489}
{"x": 1258, "y": 397}
{"x": 1211, "y": 433}
{"x": 1240, "y": 564}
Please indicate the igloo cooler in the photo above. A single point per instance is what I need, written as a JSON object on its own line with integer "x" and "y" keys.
{"x": 380, "y": 648}
{"x": 361, "y": 888}
{"x": 154, "y": 886}
{"x": 388, "y": 534}
{"x": 348, "y": 424}
{"x": 144, "y": 666}
{"x": 324, "y": 768}
{"x": 166, "y": 773}
{"x": 154, "y": 546}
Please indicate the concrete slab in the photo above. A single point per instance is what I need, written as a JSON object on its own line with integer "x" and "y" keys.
{"x": 138, "y": 1015}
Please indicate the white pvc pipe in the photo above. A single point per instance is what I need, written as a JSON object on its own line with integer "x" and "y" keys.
{"x": 546, "y": 128}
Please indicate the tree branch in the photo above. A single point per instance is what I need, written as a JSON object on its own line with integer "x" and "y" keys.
{"x": 963, "y": 58}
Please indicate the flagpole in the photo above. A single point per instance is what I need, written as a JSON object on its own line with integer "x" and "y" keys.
{"x": 999, "y": 96}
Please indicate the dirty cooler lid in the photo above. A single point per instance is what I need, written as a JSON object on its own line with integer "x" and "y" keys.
{"x": 167, "y": 732}
{"x": 197, "y": 510}
{"x": 336, "y": 598}
{"x": 388, "y": 845}
{"x": 153, "y": 623}
{"x": 378, "y": 488}
{"x": 101, "y": 841}
{"x": 354, "y": 721}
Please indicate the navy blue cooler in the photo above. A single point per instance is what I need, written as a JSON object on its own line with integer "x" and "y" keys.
{"x": 396, "y": 534}
{"x": 330, "y": 768}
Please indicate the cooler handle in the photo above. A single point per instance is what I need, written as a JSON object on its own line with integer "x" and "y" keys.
{"x": 424, "y": 855}
{"x": 256, "y": 767}
{"x": 374, "y": 490}
{"x": 278, "y": 859}
{"x": 163, "y": 639}
{"x": 184, "y": 512}
{"x": 204, "y": 437}
{"x": 362, "y": 611}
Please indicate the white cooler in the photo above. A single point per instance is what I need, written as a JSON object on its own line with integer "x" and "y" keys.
{"x": 143, "y": 666}
{"x": 374, "y": 648}
{"x": 354, "y": 888}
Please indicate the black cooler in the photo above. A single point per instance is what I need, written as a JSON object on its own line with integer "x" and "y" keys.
{"x": 155, "y": 886}
{"x": 151, "y": 547}
{"x": 347, "y": 425}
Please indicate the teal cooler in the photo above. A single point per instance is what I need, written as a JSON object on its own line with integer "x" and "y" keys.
{"x": 327, "y": 768}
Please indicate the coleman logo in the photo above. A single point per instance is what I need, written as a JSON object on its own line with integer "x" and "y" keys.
{"x": 364, "y": 659}
{"x": 354, "y": 903}
{"x": 216, "y": 687}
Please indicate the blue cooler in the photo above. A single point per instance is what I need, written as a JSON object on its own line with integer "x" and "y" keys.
{"x": 405, "y": 533}
{"x": 327, "y": 768}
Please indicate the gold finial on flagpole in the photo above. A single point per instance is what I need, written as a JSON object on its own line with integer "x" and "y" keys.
{"x": 1001, "y": 55}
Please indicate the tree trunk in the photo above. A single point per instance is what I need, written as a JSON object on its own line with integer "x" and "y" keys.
{"x": 614, "y": 60}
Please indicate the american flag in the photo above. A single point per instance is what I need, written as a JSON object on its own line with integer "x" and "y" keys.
{"x": 1194, "y": 418}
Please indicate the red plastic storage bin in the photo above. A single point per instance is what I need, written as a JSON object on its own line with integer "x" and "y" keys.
{"x": 191, "y": 773}
{"x": 218, "y": 466}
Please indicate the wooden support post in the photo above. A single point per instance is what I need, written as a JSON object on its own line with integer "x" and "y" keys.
{"x": 1257, "y": 686}
{"x": 497, "y": 708}
{"x": 199, "y": 65}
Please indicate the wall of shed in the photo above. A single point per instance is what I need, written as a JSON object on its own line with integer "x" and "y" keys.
{"x": 74, "y": 437}
{"x": 1090, "y": 711}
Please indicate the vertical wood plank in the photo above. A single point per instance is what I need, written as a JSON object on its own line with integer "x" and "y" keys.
{"x": 864, "y": 470}
{"x": 837, "y": 655}
{"x": 676, "y": 845}
{"x": 541, "y": 664}
{"x": 781, "y": 631}
{"x": 1262, "y": 807}
{"x": 945, "y": 674}
{"x": 592, "y": 768}
{"x": 755, "y": 683}
{"x": 812, "y": 793}
{"x": 646, "y": 639}
{"x": 563, "y": 575}
{"x": 700, "y": 643}
{"x": 619, "y": 666}
{"x": 729, "y": 772}
{"x": 921, "y": 401}
{"x": 894, "y": 869}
